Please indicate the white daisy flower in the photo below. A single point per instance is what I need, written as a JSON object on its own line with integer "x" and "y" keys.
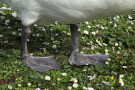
{"x": 120, "y": 80}
{"x": 84, "y": 88}
{"x": 91, "y": 77}
{"x": 93, "y": 33}
{"x": 69, "y": 88}
{"x": 90, "y": 88}
{"x": 116, "y": 44}
{"x": 82, "y": 52}
{"x": 97, "y": 32}
{"x": 4, "y": 8}
{"x": 9, "y": 87}
{"x": 109, "y": 59}
{"x": 46, "y": 89}
{"x": 2, "y": 17}
{"x": 6, "y": 22}
{"x": 124, "y": 66}
{"x": 122, "y": 83}
{"x": 1, "y": 36}
{"x": 74, "y": 80}
{"x": 106, "y": 83}
{"x": 48, "y": 78}
{"x": 118, "y": 52}
{"x": 37, "y": 89}
{"x": 121, "y": 76}
{"x": 85, "y": 32}
{"x": 106, "y": 63}
{"x": 75, "y": 85}
{"x": 86, "y": 22}
{"x": 119, "y": 48}
{"x": 58, "y": 79}
{"x": 19, "y": 85}
{"x": 91, "y": 42}
{"x": 64, "y": 74}
{"x": 97, "y": 41}
{"x": 85, "y": 70}
{"x": 29, "y": 84}
{"x": 14, "y": 14}
{"x": 104, "y": 44}
{"x": 129, "y": 17}
{"x": 14, "y": 33}
{"x": 118, "y": 16}
{"x": 106, "y": 50}
{"x": 92, "y": 48}
{"x": 54, "y": 46}
{"x": 89, "y": 26}
{"x": 115, "y": 25}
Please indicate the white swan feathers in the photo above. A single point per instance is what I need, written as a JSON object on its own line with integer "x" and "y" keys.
{"x": 45, "y": 12}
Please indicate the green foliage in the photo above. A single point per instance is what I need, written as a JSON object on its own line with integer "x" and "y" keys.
{"x": 110, "y": 31}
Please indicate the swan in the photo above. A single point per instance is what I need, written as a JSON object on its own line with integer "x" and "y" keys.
{"x": 44, "y": 12}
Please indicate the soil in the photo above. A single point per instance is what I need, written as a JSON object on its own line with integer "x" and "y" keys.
{"x": 3, "y": 81}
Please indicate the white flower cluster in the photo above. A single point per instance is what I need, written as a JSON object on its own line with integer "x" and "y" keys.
{"x": 91, "y": 77}
{"x": 75, "y": 85}
{"x": 89, "y": 88}
{"x": 120, "y": 80}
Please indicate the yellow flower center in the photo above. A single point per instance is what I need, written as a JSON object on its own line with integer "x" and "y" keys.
{"x": 47, "y": 78}
{"x": 58, "y": 79}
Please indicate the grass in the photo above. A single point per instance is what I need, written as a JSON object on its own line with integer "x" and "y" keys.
{"x": 112, "y": 31}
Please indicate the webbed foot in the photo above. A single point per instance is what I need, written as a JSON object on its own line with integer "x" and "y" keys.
{"x": 79, "y": 59}
{"x": 40, "y": 64}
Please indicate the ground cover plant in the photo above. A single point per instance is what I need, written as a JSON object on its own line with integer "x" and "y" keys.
{"x": 114, "y": 36}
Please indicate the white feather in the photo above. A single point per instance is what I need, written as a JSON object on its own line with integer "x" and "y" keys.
{"x": 68, "y": 11}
